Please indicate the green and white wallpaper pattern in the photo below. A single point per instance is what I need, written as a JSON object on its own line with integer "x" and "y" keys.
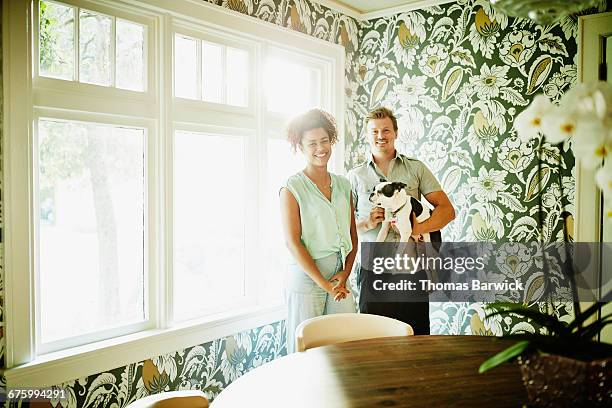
{"x": 456, "y": 75}
{"x": 208, "y": 367}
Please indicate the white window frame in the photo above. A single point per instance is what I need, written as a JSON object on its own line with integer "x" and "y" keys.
{"x": 250, "y": 212}
{"x": 160, "y": 115}
{"x": 149, "y": 227}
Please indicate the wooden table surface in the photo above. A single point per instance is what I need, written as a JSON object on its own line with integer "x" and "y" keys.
{"x": 415, "y": 371}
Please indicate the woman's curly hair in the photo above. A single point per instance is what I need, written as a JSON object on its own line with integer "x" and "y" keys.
{"x": 312, "y": 119}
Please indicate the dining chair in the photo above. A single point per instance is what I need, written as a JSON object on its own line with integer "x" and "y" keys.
{"x": 173, "y": 399}
{"x": 341, "y": 327}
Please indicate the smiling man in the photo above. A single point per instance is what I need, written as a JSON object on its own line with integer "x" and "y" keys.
{"x": 386, "y": 164}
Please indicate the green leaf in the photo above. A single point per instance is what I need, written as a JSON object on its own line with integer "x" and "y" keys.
{"x": 504, "y": 356}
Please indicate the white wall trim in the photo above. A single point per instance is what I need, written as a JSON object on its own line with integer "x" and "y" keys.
{"x": 416, "y": 5}
{"x": 341, "y": 8}
{"x": 588, "y": 201}
{"x": 56, "y": 368}
{"x": 17, "y": 131}
{"x": 385, "y": 12}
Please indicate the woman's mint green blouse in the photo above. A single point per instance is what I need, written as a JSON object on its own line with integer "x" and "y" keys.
{"x": 326, "y": 226}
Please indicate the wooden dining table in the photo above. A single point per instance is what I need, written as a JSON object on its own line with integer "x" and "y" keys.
{"x": 408, "y": 371}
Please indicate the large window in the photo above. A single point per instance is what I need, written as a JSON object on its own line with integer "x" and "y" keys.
{"x": 151, "y": 164}
{"x": 211, "y": 197}
{"x": 90, "y": 190}
{"x": 91, "y": 173}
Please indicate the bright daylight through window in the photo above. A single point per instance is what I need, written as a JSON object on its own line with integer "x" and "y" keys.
{"x": 157, "y": 155}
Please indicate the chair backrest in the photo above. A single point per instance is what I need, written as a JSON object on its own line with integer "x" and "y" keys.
{"x": 173, "y": 399}
{"x": 341, "y": 327}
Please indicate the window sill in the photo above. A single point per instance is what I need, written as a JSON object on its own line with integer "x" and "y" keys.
{"x": 58, "y": 367}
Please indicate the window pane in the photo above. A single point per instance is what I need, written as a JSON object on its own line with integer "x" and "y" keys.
{"x": 94, "y": 48}
{"x": 281, "y": 163}
{"x": 91, "y": 199}
{"x": 291, "y": 88}
{"x": 237, "y": 76}
{"x": 56, "y": 41}
{"x": 209, "y": 223}
{"x": 185, "y": 67}
{"x": 212, "y": 72}
{"x": 130, "y": 56}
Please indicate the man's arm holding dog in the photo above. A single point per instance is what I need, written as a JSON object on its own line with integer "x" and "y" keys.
{"x": 376, "y": 216}
{"x": 442, "y": 214}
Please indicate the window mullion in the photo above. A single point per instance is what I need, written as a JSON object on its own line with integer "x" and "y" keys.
{"x": 224, "y": 74}
{"x": 162, "y": 296}
{"x": 113, "y": 52}
{"x": 199, "y": 69}
{"x": 77, "y": 43}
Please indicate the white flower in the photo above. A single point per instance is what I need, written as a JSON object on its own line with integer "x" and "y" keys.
{"x": 514, "y": 155}
{"x": 484, "y": 40}
{"x": 410, "y": 34}
{"x": 489, "y": 81}
{"x": 234, "y": 360}
{"x": 405, "y": 55}
{"x": 167, "y": 363}
{"x": 433, "y": 59}
{"x": 488, "y": 183}
{"x": 589, "y": 98}
{"x": 517, "y": 47}
{"x": 482, "y": 136}
{"x": 558, "y": 125}
{"x": 350, "y": 91}
{"x": 433, "y": 155}
{"x": 410, "y": 89}
{"x": 555, "y": 86}
{"x": 552, "y": 196}
{"x": 591, "y": 143}
{"x": 486, "y": 28}
{"x": 365, "y": 68}
{"x": 603, "y": 178}
{"x": 513, "y": 259}
{"x": 529, "y": 122}
{"x": 410, "y": 125}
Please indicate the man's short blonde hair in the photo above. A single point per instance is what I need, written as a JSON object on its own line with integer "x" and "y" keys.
{"x": 381, "y": 113}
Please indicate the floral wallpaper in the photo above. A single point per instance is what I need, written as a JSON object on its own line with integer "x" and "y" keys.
{"x": 456, "y": 75}
{"x": 208, "y": 367}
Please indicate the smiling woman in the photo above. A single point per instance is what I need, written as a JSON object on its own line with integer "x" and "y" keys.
{"x": 319, "y": 226}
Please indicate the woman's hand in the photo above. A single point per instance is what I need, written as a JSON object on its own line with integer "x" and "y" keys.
{"x": 338, "y": 292}
{"x": 339, "y": 288}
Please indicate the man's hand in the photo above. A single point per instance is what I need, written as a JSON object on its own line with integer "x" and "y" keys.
{"x": 377, "y": 215}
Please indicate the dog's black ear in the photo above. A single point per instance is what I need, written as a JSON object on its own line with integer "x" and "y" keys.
{"x": 397, "y": 186}
{"x": 417, "y": 207}
{"x": 388, "y": 190}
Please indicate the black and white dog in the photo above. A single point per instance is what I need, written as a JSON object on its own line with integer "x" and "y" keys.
{"x": 399, "y": 207}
